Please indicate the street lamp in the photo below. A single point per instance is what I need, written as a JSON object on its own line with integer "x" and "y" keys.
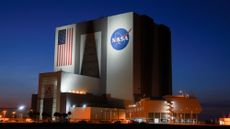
{"x": 21, "y": 108}
{"x": 84, "y": 106}
{"x": 4, "y": 113}
{"x": 13, "y": 114}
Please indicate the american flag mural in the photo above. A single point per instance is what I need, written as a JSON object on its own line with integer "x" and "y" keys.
{"x": 64, "y": 47}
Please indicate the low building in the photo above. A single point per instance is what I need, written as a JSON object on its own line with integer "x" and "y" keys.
{"x": 169, "y": 109}
{"x": 224, "y": 121}
{"x": 97, "y": 114}
{"x": 13, "y": 114}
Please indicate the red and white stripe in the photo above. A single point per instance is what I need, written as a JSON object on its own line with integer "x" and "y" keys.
{"x": 64, "y": 51}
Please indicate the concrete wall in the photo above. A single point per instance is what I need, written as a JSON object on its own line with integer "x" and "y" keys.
{"x": 70, "y": 82}
{"x": 120, "y": 62}
{"x": 97, "y": 114}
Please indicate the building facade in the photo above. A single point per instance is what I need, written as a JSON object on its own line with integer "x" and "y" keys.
{"x": 169, "y": 109}
{"x": 97, "y": 114}
{"x": 122, "y": 57}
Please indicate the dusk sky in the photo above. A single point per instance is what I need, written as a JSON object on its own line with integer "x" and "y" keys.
{"x": 200, "y": 42}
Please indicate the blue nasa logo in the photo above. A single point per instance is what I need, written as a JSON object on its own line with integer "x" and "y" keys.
{"x": 120, "y": 39}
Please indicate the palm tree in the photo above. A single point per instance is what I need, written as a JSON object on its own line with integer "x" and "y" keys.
{"x": 57, "y": 116}
{"x": 64, "y": 115}
{"x": 69, "y": 114}
{"x": 46, "y": 116}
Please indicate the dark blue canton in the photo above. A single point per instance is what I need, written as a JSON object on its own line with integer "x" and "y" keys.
{"x": 61, "y": 37}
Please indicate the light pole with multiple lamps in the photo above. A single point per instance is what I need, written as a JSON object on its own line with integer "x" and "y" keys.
{"x": 21, "y": 109}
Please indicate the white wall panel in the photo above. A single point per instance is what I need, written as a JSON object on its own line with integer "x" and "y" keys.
{"x": 120, "y": 62}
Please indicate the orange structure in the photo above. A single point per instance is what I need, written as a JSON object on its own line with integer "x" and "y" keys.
{"x": 170, "y": 109}
{"x": 224, "y": 121}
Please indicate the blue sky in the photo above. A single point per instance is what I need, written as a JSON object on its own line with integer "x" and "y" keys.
{"x": 200, "y": 42}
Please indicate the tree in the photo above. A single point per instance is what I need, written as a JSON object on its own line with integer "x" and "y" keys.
{"x": 46, "y": 116}
{"x": 36, "y": 114}
{"x": 31, "y": 114}
{"x": 64, "y": 115}
{"x": 69, "y": 114}
{"x": 57, "y": 116}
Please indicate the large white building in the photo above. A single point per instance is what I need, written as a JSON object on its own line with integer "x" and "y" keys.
{"x": 116, "y": 60}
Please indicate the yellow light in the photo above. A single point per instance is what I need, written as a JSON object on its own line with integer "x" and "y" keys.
{"x": 224, "y": 121}
{"x": 4, "y": 113}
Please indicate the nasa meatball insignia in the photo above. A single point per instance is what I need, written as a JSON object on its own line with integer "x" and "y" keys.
{"x": 120, "y": 38}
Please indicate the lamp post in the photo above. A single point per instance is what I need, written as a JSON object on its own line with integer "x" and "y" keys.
{"x": 21, "y": 108}
{"x": 4, "y": 113}
{"x": 13, "y": 115}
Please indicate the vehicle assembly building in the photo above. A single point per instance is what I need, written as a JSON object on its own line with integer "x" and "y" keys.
{"x": 109, "y": 62}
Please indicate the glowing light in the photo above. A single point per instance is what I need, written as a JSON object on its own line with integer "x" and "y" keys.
{"x": 4, "y": 113}
{"x": 84, "y": 106}
{"x": 224, "y": 121}
{"x": 77, "y": 91}
{"x": 134, "y": 105}
{"x": 22, "y": 107}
